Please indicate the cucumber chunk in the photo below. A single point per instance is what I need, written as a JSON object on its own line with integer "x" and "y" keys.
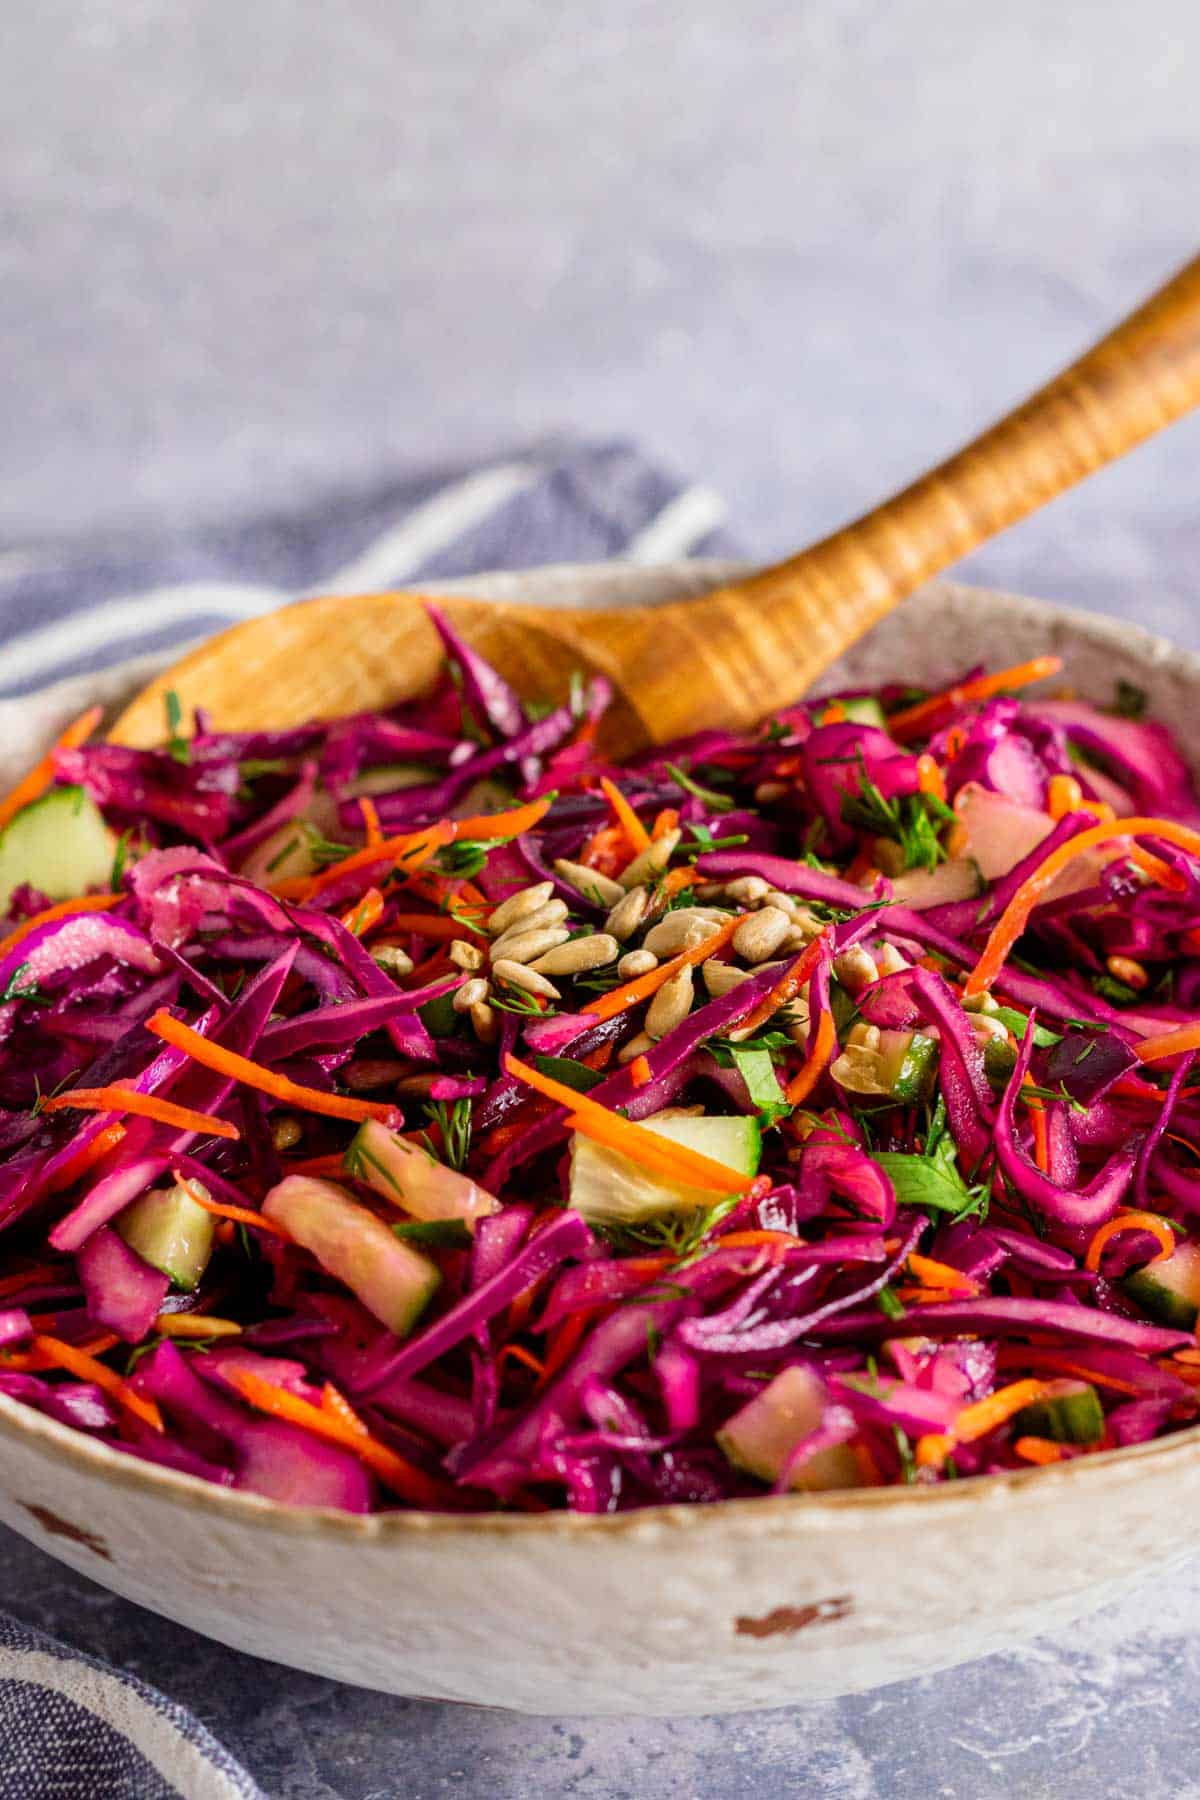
{"x": 1169, "y": 1290}
{"x": 411, "y": 1178}
{"x": 171, "y": 1232}
{"x": 393, "y": 1281}
{"x": 864, "y": 709}
{"x": 761, "y": 1437}
{"x": 59, "y": 844}
{"x": 907, "y": 1061}
{"x": 610, "y": 1189}
{"x": 1070, "y": 1413}
{"x": 958, "y": 879}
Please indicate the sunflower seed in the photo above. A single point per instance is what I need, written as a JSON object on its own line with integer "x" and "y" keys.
{"x": 680, "y": 930}
{"x": 527, "y": 946}
{"x": 747, "y": 890}
{"x": 635, "y": 963}
{"x": 469, "y": 994}
{"x": 392, "y": 959}
{"x": 517, "y": 975}
{"x": 590, "y": 882}
{"x": 465, "y": 955}
{"x": 855, "y": 969}
{"x": 759, "y": 936}
{"x": 627, "y": 914}
{"x": 637, "y": 1046}
{"x": 485, "y": 1022}
{"x": 671, "y": 1005}
{"x": 720, "y": 977}
{"x": 548, "y": 917}
{"x": 578, "y": 954}
{"x": 652, "y": 861}
{"x": 519, "y": 906}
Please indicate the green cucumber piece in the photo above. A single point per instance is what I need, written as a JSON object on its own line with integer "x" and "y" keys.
{"x": 171, "y": 1232}
{"x": 999, "y": 1059}
{"x": 439, "y": 1017}
{"x": 907, "y": 1062}
{"x": 761, "y": 1437}
{"x": 1069, "y": 1412}
{"x": 389, "y": 778}
{"x": 285, "y": 854}
{"x": 958, "y": 879}
{"x": 412, "y": 1178}
{"x": 864, "y": 710}
{"x": 610, "y": 1189}
{"x": 393, "y": 1281}
{"x": 1169, "y": 1290}
{"x": 59, "y": 844}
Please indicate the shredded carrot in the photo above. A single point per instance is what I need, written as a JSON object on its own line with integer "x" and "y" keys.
{"x": 656, "y": 1153}
{"x": 956, "y": 739}
{"x": 366, "y": 912}
{"x": 914, "y": 721}
{"x": 239, "y": 1215}
{"x": 370, "y": 817}
{"x": 1158, "y": 870}
{"x": 605, "y": 850}
{"x": 1038, "y": 1450}
{"x": 778, "y": 1241}
{"x": 1132, "y": 1220}
{"x": 639, "y": 1071}
{"x": 394, "y": 1470}
{"x": 912, "y": 1294}
{"x": 834, "y": 713}
{"x": 667, "y": 820}
{"x": 1037, "y": 1120}
{"x": 931, "y": 1451}
{"x": 413, "y": 849}
{"x": 984, "y": 1415}
{"x": 606, "y": 1006}
{"x": 1063, "y": 795}
{"x": 505, "y": 824}
{"x": 338, "y": 1407}
{"x": 636, "y": 834}
{"x": 252, "y": 1074}
{"x": 1014, "y": 918}
{"x": 940, "y": 1274}
{"x": 88, "y": 1368}
{"x": 789, "y": 984}
{"x": 195, "y": 1325}
{"x": 435, "y": 926}
{"x": 930, "y": 778}
{"x": 675, "y": 880}
{"x": 862, "y": 871}
{"x": 87, "y": 1157}
{"x": 563, "y": 1342}
{"x": 1168, "y": 1043}
{"x": 820, "y": 1050}
{"x": 118, "y": 1098}
{"x": 518, "y": 1353}
{"x": 41, "y": 775}
{"x": 63, "y": 910}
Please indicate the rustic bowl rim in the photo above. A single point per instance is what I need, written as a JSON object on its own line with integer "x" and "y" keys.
{"x": 857, "y": 1508}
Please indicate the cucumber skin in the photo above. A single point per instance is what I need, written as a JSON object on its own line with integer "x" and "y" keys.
{"x": 169, "y": 1231}
{"x": 1169, "y": 1290}
{"x": 911, "y": 1078}
{"x": 58, "y": 844}
{"x": 1068, "y": 1417}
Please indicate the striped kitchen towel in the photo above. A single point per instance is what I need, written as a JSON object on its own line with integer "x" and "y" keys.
{"x": 69, "y": 610}
{"x": 70, "y": 1727}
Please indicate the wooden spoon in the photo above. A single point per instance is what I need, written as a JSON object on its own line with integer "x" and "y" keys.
{"x": 733, "y": 656}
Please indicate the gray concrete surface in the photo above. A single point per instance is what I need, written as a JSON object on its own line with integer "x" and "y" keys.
{"x": 254, "y": 255}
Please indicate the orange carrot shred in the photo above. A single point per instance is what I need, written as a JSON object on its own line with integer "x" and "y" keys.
{"x": 915, "y": 721}
{"x": 63, "y": 910}
{"x": 87, "y": 1157}
{"x": 639, "y": 1071}
{"x": 820, "y": 1051}
{"x": 1131, "y": 1220}
{"x": 675, "y": 880}
{"x": 394, "y": 1470}
{"x": 239, "y": 1215}
{"x": 147, "y": 1106}
{"x": 195, "y": 1325}
{"x": 370, "y": 818}
{"x": 1168, "y": 1043}
{"x": 366, "y": 912}
{"x": 656, "y": 1153}
{"x": 251, "y": 1074}
{"x": 606, "y": 1006}
{"x": 81, "y": 1363}
{"x": 1015, "y": 917}
{"x": 1038, "y": 1450}
{"x": 930, "y": 778}
{"x": 635, "y": 832}
{"x": 39, "y": 778}
{"x": 940, "y": 1274}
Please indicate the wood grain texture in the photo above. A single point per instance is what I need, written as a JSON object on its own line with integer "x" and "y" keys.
{"x": 743, "y": 651}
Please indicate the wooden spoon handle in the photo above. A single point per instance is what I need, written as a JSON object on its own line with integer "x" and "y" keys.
{"x": 1139, "y": 378}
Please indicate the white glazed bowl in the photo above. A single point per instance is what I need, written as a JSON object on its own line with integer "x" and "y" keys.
{"x": 748, "y": 1603}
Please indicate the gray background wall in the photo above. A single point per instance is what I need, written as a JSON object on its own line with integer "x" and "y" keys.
{"x": 252, "y": 254}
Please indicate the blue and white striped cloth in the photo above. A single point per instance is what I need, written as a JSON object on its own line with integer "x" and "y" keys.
{"x": 70, "y": 1727}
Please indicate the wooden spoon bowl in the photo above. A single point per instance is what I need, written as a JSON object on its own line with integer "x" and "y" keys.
{"x": 735, "y": 655}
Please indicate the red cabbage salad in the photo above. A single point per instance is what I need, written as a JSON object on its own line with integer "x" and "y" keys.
{"x": 422, "y": 1110}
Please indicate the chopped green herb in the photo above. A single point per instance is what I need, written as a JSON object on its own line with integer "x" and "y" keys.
{"x": 889, "y": 1304}
{"x": 572, "y": 1074}
{"x": 177, "y": 745}
{"x": 453, "y": 1119}
{"x": 718, "y": 803}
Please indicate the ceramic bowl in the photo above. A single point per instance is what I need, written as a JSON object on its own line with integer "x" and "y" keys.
{"x": 748, "y": 1603}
